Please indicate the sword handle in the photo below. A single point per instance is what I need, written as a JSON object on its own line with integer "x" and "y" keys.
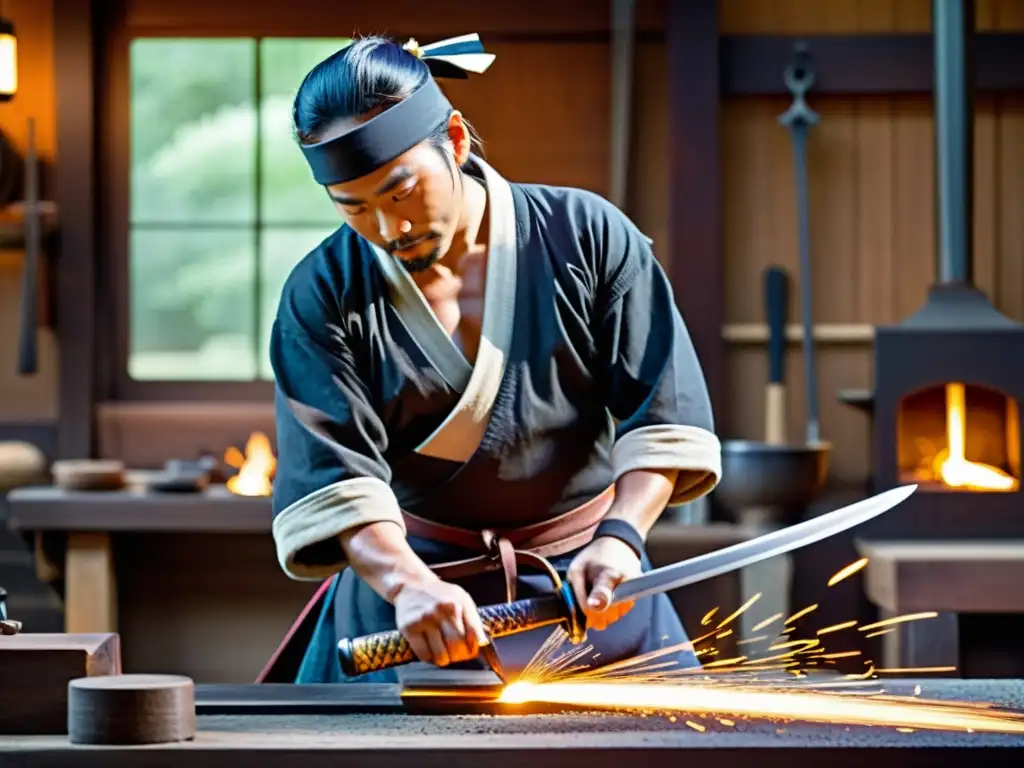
{"x": 385, "y": 650}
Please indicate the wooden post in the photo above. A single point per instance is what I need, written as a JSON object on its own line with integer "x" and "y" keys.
{"x": 74, "y": 57}
{"x": 695, "y": 183}
{"x": 90, "y": 592}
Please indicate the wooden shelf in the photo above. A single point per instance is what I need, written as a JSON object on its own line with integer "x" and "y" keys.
{"x": 217, "y": 510}
{"x": 824, "y": 333}
{"x": 214, "y": 510}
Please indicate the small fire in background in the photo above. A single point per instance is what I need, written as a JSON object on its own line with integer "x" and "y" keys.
{"x": 950, "y": 465}
{"x": 255, "y": 467}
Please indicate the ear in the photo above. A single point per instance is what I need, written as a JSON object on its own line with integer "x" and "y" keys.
{"x": 458, "y": 133}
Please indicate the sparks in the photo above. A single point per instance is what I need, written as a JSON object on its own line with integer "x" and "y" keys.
{"x": 809, "y": 706}
{"x": 848, "y": 571}
{"x": 881, "y": 632}
{"x": 761, "y": 625}
{"x": 837, "y": 627}
{"x": 800, "y": 614}
{"x": 738, "y": 612}
{"x": 782, "y": 679}
{"x": 899, "y": 620}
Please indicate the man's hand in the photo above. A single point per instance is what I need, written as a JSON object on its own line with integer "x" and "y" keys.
{"x": 440, "y": 621}
{"x": 596, "y": 572}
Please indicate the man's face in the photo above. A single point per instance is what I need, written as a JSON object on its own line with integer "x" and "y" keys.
{"x": 409, "y": 207}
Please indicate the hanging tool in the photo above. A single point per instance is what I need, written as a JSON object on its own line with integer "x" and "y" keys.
{"x": 799, "y": 118}
{"x": 776, "y": 308}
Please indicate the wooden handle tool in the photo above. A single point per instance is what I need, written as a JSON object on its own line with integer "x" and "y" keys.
{"x": 776, "y": 307}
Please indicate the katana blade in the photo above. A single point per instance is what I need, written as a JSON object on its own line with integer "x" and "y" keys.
{"x": 763, "y": 547}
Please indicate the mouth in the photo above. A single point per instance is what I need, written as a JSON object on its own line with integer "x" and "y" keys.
{"x": 413, "y": 248}
{"x": 408, "y": 251}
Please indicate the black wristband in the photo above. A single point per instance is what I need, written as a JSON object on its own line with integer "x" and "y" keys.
{"x": 624, "y": 532}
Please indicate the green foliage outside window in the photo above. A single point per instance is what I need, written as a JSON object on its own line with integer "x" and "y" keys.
{"x": 222, "y": 203}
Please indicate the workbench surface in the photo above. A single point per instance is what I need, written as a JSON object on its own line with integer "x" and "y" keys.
{"x": 386, "y": 737}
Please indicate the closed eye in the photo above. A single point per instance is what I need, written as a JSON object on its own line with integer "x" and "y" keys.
{"x": 404, "y": 192}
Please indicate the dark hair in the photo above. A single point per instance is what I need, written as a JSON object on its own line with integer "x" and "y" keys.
{"x": 370, "y": 73}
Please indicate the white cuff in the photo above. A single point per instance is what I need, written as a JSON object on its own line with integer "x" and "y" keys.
{"x": 694, "y": 452}
{"x": 326, "y": 513}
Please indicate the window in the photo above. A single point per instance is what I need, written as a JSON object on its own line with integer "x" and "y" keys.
{"x": 221, "y": 203}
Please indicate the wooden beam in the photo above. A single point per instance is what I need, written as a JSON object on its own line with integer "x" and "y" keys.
{"x": 752, "y": 65}
{"x": 75, "y": 51}
{"x": 695, "y": 183}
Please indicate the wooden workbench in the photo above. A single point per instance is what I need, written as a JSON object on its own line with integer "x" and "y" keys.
{"x": 362, "y": 726}
{"x": 191, "y": 582}
{"x": 952, "y": 578}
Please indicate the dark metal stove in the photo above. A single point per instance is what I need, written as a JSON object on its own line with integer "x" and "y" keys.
{"x": 949, "y": 380}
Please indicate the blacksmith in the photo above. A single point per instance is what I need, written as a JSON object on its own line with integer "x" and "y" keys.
{"x": 468, "y": 368}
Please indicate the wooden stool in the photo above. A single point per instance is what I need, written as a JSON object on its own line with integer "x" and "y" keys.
{"x": 131, "y": 709}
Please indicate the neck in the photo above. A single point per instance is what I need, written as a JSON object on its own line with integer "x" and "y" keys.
{"x": 472, "y": 231}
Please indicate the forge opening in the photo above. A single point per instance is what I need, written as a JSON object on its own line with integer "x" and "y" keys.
{"x": 959, "y": 437}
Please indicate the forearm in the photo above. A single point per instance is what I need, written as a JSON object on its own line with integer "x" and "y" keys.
{"x": 641, "y": 495}
{"x": 381, "y": 556}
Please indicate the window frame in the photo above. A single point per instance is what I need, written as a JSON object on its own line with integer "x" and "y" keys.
{"x": 114, "y": 263}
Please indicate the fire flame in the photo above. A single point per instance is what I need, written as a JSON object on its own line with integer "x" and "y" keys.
{"x": 255, "y": 468}
{"x": 951, "y": 466}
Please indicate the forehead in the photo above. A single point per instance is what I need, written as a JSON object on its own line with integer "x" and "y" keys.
{"x": 414, "y": 162}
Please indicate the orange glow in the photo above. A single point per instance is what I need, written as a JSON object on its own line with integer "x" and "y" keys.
{"x": 950, "y": 465}
{"x": 779, "y": 704}
{"x": 255, "y": 468}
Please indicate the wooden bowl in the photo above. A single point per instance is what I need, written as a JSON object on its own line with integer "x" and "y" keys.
{"x": 89, "y": 475}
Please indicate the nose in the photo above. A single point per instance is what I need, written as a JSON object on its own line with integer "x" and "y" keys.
{"x": 392, "y": 227}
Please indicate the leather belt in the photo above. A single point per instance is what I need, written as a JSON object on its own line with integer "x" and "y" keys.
{"x": 507, "y": 549}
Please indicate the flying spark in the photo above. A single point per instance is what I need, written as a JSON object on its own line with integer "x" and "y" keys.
{"x": 777, "y": 678}
{"x": 848, "y": 571}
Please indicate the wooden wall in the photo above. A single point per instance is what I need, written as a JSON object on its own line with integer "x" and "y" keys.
{"x": 871, "y": 198}
{"x": 28, "y": 399}
{"x": 544, "y": 114}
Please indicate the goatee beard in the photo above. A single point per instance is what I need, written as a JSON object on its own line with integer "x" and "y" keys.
{"x": 420, "y": 263}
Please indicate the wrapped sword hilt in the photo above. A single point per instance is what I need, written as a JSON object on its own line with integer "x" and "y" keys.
{"x": 385, "y": 650}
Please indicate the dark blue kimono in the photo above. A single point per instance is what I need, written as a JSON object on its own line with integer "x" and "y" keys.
{"x": 585, "y": 371}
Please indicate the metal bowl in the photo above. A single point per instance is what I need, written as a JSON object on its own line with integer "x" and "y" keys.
{"x": 770, "y": 484}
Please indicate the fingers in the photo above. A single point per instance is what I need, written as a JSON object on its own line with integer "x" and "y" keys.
{"x": 447, "y": 632}
{"x": 420, "y": 647}
{"x": 475, "y": 630}
{"x": 598, "y": 608}
{"x": 438, "y": 649}
{"x": 600, "y": 596}
{"x": 460, "y": 644}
